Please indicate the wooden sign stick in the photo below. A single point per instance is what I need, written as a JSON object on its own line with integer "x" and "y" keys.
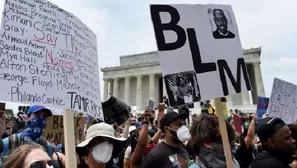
{"x": 224, "y": 133}
{"x": 69, "y": 139}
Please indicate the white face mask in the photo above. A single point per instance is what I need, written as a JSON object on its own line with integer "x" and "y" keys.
{"x": 102, "y": 152}
{"x": 183, "y": 133}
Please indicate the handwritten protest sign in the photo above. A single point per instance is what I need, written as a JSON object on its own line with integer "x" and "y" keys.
{"x": 48, "y": 57}
{"x": 200, "y": 52}
{"x": 54, "y": 128}
{"x": 282, "y": 102}
{"x": 262, "y": 106}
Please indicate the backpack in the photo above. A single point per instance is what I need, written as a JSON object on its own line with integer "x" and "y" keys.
{"x": 8, "y": 146}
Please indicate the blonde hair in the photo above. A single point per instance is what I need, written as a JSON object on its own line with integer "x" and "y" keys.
{"x": 17, "y": 157}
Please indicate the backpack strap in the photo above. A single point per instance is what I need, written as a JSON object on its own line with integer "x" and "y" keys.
{"x": 59, "y": 161}
{"x": 14, "y": 142}
{"x": 49, "y": 149}
{"x": 5, "y": 146}
{"x": 19, "y": 140}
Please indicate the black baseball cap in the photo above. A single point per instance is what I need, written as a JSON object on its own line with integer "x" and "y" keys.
{"x": 168, "y": 118}
{"x": 267, "y": 127}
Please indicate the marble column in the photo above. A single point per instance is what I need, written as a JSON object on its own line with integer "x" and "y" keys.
{"x": 245, "y": 98}
{"x": 164, "y": 88}
{"x": 105, "y": 94}
{"x": 258, "y": 79}
{"x": 152, "y": 87}
{"x": 115, "y": 87}
{"x": 139, "y": 93}
{"x": 127, "y": 90}
{"x": 110, "y": 87}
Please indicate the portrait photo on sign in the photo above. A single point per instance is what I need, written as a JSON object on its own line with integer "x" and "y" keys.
{"x": 182, "y": 88}
{"x": 221, "y": 23}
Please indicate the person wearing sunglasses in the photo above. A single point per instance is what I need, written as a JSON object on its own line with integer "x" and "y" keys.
{"x": 31, "y": 133}
{"x": 99, "y": 147}
{"x": 30, "y": 155}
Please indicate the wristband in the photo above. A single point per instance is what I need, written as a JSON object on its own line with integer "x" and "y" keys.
{"x": 145, "y": 122}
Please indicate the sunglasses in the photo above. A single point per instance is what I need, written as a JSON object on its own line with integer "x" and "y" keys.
{"x": 42, "y": 164}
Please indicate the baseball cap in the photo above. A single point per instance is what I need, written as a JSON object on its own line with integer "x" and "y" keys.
{"x": 267, "y": 127}
{"x": 168, "y": 118}
{"x": 36, "y": 108}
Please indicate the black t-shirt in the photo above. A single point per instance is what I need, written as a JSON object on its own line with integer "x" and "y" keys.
{"x": 265, "y": 160}
{"x": 244, "y": 155}
{"x": 165, "y": 156}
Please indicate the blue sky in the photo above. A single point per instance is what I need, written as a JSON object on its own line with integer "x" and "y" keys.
{"x": 124, "y": 27}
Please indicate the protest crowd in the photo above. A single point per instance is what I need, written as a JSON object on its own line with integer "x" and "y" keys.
{"x": 144, "y": 140}
{"x": 49, "y": 59}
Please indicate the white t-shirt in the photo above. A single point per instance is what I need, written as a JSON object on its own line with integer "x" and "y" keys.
{"x": 128, "y": 153}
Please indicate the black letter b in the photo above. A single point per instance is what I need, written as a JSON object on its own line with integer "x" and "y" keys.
{"x": 159, "y": 27}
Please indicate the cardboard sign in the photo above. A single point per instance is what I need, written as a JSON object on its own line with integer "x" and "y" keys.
{"x": 262, "y": 106}
{"x": 283, "y": 101}
{"x": 48, "y": 57}
{"x": 54, "y": 128}
{"x": 200, "y": 52}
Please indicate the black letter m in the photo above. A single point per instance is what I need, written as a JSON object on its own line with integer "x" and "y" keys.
{"x": 223, "y": 66}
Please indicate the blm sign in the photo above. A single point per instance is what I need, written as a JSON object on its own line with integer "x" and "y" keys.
{"x": 200, "y": 52}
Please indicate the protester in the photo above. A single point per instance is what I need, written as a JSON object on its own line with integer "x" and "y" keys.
{"x": 30, "y": 155}
{"x": 2, "y": 123}
{"x": 32, "y": 132}
{"x": 144, "y": 143}
{"x": 133, "y": 133}
{"x": 99, "y": 146}
{"x": 293, "y": 129}
{"x": 246, "y": 151}
{"x": 206, "y": 142}
{"x": 277, "y": 143}
{"x": 170, "y": 152}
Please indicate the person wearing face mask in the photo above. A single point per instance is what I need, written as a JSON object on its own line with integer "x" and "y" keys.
{"x": 31, "y": 133}
{"x": 206, "y": 143}
{"x": 99, "y": 147}
{"x": 170, "y": 152}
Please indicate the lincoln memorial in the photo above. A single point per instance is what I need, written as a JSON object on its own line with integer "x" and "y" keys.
{"x": 138, "y": 78}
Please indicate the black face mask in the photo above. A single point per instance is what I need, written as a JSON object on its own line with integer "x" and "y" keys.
{"x": 174, "y": 136}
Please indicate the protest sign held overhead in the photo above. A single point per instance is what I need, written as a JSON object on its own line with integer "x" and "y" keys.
{"x": 48, "y": 57}
{"x": 200, "y": 52}
{"x": 262, "y": 106}
{"x": 282, "y": 101}
{"x": 115, "y": 111}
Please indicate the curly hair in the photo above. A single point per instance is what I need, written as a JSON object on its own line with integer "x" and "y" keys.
{"x": 207, "y": 130}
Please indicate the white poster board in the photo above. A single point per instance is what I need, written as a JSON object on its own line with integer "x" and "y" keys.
{"x": 283, "y": 101}
{"x": 48, "y": 57}
{"x": 200, "y": 52}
